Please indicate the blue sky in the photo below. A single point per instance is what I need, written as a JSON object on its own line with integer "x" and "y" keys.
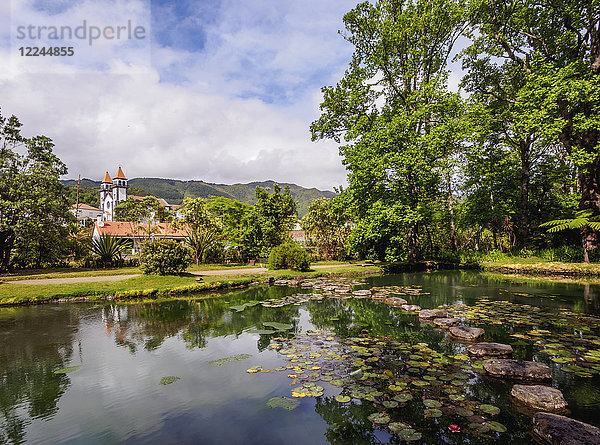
{"x": 219, "y": 90}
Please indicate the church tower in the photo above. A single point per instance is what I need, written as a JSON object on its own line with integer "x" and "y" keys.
{"x": 120, "y": 187}
{"x": 106, "y": 198}
{"x": 112, "y": 193}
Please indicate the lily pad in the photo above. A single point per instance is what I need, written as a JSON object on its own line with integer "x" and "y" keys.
{"x": 343, "y": 399}
{"x": 222, "y": 361}
{"x": 379, "y": 418}
{"x": 278, "y": 326}
{"x": 168, "y": 380}
{"x": 433, "y": 412}
{"x": 409, "y": 435}
{"x": 283, "y": 402}
{"x": 67, "y": 370}
{"x": 429, "y": 403}
{"x": 496, "y": 426}
{"x": 489, "y": 409}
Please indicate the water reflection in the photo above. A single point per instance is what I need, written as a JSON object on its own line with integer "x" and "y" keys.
{"x": 35, "y": 342}
{"x": 129, "y": 347}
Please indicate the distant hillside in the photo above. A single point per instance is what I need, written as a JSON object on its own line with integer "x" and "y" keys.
{"x": 174, "y": 191}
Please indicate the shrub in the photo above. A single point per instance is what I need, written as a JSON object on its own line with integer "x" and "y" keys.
{"x": 289, "y": 256}
{"x": 164, "y": 257}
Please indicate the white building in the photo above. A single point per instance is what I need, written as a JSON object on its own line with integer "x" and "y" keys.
{"x": 84, "y": 212}
{"x": 112, "y": 193}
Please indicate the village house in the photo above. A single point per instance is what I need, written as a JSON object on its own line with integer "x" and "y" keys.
{"x": 113, "y": 191}
{"x": 84, "y": 212}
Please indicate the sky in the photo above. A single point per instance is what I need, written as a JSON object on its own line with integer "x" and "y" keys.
{"x": 217, "y": 90}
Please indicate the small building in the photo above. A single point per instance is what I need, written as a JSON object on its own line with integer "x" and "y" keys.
{"x": 85, "y": 212}
{"x": 299, "y": 236}
{"x": 138, "y": 232}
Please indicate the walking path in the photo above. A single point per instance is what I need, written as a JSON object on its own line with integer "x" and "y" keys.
{"x": 248, "y": 270}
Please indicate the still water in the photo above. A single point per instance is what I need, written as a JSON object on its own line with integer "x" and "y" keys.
{"x": 124, "y": 350}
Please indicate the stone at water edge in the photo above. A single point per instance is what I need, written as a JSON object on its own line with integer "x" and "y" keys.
{"x": 481, "y": 349}
{"x": 560, "y": 430}
{"x": 395, "y": 301}
{"x": 539, "y": 397}
{"x": 518, "y": 369}
{"x": 411, "y": 307}
{"x": 445, "y": 322}
{"x": 467, "y": 332}
{"x": 432, "y": 313}
{"x": 363, "y": 293}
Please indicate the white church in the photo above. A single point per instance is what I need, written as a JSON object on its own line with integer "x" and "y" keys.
{"x": 112, "y": 193}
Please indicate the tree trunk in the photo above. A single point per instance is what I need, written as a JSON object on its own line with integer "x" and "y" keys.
{"x": 523, "y": 230}
{"x": 453, "y": 243}
{"x": 7, "y": 241}
{"x": 590, "y": 200}
{"x": 413, "y": 245}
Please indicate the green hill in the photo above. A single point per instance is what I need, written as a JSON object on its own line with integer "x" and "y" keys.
{"x": 174, "y": 190}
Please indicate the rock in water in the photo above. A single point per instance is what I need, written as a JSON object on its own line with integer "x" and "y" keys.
{"x": 445, "y": 322}
{"x": 363, "y": 293}
{"x": 395, "y": 301}
{"x": 480, "y": 349}
{"x": 539, "y": 397}
{"x": 466, "y": 332}
{"x": 560, "y": 430}
{"x": 432, "y": 313}
{"x": 517, "y": 369}
{"x": 411, "y": 307}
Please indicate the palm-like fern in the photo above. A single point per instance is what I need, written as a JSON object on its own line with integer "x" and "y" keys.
{"x": 582, "y": 219}
{"x": 109, "y": 248}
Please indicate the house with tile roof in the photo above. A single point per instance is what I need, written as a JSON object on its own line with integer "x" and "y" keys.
{"x": 138, "y": 232}
{"x": 84, "y": 212}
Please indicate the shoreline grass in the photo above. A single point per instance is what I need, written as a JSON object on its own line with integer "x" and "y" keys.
{"x": 143, "y": 286}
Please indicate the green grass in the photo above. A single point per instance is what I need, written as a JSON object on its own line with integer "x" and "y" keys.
{"x": 539, "y": 266}
{"x": 12, "y": 292}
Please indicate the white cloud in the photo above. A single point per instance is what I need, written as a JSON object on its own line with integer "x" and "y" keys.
{"x": 236, "y": 111}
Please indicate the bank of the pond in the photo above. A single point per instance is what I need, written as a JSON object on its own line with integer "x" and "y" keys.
{"x": 537, "y": 266}
{"x": 151, "y": 286}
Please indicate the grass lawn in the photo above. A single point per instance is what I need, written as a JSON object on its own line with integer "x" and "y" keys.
{"x": 12, "y": 292}
{"x": 539, "y": 266}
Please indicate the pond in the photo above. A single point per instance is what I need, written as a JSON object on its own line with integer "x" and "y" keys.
{"x": 308, "y": 369}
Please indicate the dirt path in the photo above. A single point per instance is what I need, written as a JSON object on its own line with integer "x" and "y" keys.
{"x": 249, "y": 270}
{"x": 73, "y": 280}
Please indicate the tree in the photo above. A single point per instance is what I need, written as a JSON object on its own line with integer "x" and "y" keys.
{"x": 328, "y": 222}
{"x": 397, "y": 118}
{"x": 269, "y": 222}
{"x": 554, "y": 47}
{"x": 109, "y": 248}
{"x": 164, "y": 257}
{"x": 34, "y": 213}
{"x": 203, "y": 228}
{"x": 141, "y": 215}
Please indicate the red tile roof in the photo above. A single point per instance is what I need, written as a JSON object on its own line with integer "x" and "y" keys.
{"x": 127, "y": 229}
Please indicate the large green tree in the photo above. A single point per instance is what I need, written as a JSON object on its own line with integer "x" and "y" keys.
{"x": 396, "y": 117}
{"x": 553, "y": 48}
{"x": 328, "y": 223}
{"x": 34, "y": 215}
{"x": 203, "y": 228}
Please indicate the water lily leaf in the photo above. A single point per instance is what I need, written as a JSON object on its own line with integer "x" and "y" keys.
{"x": 67, "y": 370}
{"x": 561, "y": 359}
{"x": 168, "y": 380}
{"x": 396, "y": 427}
{"x": 263, "y": 332}
{"x": 343, "y": 399}
{"x": 278, "y": 326}
{"x": 496, "y": 426}
{"x": 489, "y": 409}
{"x": 222, "y": 361}
{"x": 429, "y": 403}
{"x": 254, "y": 369}
{"x": 409, "y": 435}
{"x": 390, "y": 403}
{"x": 434, "y": 412}
{"x": 283, "y": 402}
{"x": 404, "y": 397}
{"x": 337, "y": 383}
{"x": 380, "y": 418}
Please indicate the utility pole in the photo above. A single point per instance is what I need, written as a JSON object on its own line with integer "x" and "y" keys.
{"x": 77, "y": 201}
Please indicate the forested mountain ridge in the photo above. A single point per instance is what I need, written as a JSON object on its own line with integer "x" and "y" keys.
{"x": 174, "y": 191}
